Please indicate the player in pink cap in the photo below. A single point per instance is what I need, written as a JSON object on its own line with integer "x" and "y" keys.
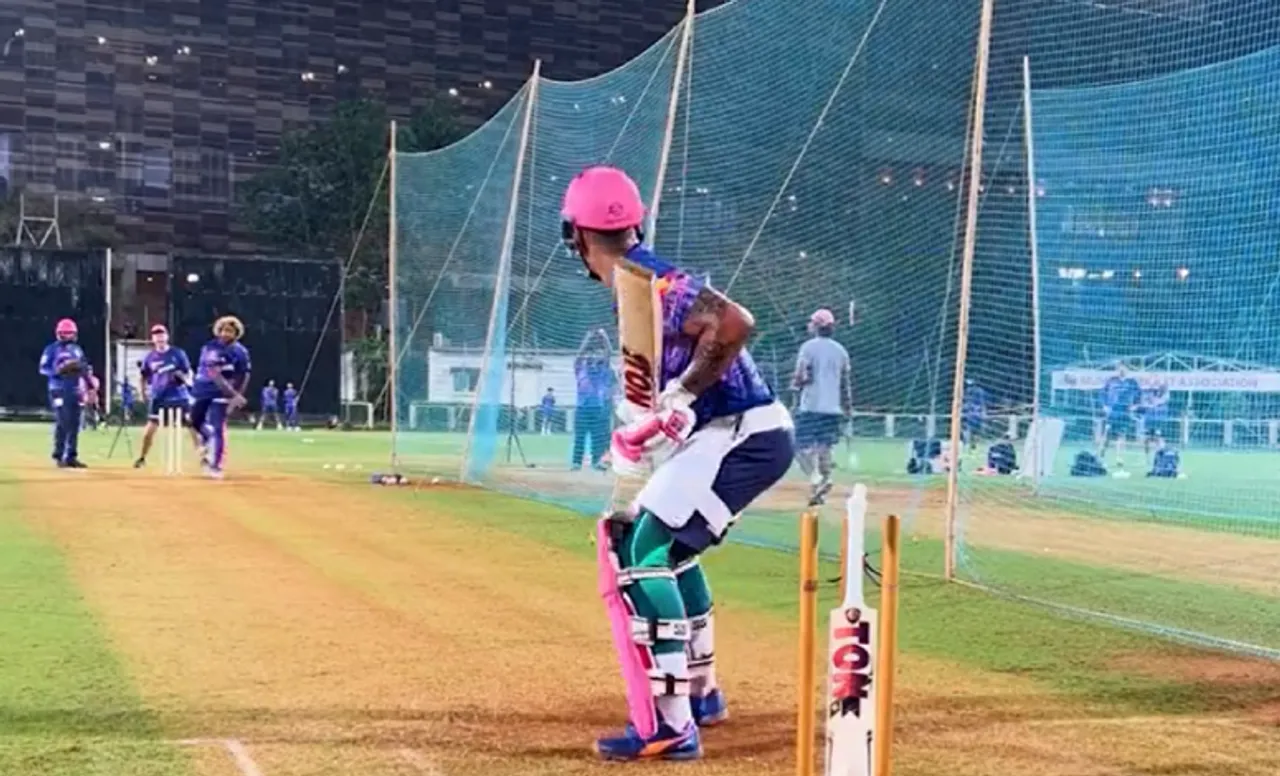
{"x": 718, "y": 439}
{"x": 63, "y": 363}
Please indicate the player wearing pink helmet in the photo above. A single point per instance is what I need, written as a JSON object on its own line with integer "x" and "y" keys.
{"x": 718, "y": 438}
{"x": 63, "y": 363}
{"x": 822, "y": 378}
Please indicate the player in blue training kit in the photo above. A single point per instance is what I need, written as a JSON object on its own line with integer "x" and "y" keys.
{"x": 718, "y": 438}
{"x": 270, "y": 405}
{"x": 1154, "y": 411}
{"x": 63, "y": 363}
{"x": 126, "y": 401}
{"x": 166, "y": 380}
{"x": 222, "y": 374}
{"x": 1119, "y": 397}
{"x": 290, "y": 407}
{"x": 973, "y": 411}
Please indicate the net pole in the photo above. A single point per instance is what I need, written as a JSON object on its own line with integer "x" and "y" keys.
{"x": 502, "y": 281}
{"x": 392, "y": 352}
{"x": 106, "y": 332}
{"x": 669, "y": 130}
{"x": 1033, "y": 244}
{"x": 966, "y": 280}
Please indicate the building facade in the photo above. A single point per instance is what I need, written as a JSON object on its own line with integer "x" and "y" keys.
{"x": 143, "y": 117}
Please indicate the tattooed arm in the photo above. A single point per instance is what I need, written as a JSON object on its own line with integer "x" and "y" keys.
{"x": 720, "y": 328}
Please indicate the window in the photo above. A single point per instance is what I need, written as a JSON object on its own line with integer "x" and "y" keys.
{"x": 156, "y": 171}
{"x": 465, "y": 379}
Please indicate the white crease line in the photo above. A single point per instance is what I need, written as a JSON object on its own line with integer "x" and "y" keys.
{"x": 240, "y": 753}
{"x": 421, "y": 762}
{"x": 234, "y": 746}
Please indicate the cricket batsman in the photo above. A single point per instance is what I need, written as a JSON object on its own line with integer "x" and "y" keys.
{"x": 63, "y": 363}
{"x": 719, "y": 439}
{"x": 221, "y": 378}
{"x": 166, "y": 380}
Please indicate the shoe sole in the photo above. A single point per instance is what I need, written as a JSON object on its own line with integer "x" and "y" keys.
{"x": 714, "y": 720}
{"x": 671, "y": 756}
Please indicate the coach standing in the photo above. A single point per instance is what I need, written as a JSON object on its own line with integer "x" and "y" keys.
{"x": 822, "y": 377}
{"x": 591, "y": 413}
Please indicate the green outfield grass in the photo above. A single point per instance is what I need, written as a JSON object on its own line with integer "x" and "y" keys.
{"x": 66, "y": 706}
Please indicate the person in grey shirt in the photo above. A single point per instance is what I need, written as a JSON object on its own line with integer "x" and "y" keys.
{"x": 823, "y": 379}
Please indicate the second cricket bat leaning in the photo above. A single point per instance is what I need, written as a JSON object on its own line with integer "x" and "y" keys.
{"x": 851, "y": 659}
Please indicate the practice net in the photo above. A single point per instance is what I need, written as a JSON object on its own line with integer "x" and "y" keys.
{"x": 1127, "y": 297}
{"x": 815, "y": 155}
{"x": 805, "y": 162}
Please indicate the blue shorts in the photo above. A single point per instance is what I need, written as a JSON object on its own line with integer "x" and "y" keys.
{"x": 1154, "y": 423}
{"x": 1119, "y": 425}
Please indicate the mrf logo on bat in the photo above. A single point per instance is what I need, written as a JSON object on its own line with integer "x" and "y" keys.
{"x": 850, "y": 665}
{"x": 637, "y": 377}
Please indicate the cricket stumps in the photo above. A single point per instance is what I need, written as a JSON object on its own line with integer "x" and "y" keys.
{"x": 860, "y": 657}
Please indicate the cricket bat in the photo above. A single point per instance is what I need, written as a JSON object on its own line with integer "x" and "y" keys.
{"x": 640, "y": 337}
{"x": 851, "y": 658}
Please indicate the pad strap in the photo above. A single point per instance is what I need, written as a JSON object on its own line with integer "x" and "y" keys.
{"x": 691, "y": 563}
{"x": 631, "y": 576}
{"x": 649, "y": 632}
{"x": 666, "y": 684}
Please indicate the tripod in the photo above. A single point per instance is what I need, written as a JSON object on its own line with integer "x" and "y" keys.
{"x": 513, "y": 433}
{"x": 122, "y": 429}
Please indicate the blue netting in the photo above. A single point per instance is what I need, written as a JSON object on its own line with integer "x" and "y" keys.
{"x": 1155, "y": 221}
{"x": 818, "y": 159}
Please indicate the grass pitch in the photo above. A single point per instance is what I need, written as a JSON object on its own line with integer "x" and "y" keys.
{"x": 295, "y": 620}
